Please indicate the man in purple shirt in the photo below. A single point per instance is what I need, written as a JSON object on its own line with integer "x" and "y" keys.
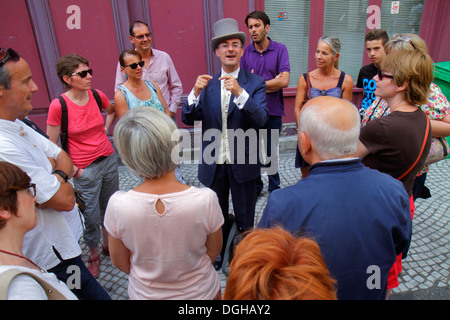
{"x": 270, "y": 60}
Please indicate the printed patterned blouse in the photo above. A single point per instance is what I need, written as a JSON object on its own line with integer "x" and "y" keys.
{"x": 437, "y": 108}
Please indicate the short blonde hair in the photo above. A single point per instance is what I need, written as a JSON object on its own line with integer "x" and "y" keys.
{"x": 413, "y": 68}
{"x": 272, "y": 264}
{"x": 147, "y": 141}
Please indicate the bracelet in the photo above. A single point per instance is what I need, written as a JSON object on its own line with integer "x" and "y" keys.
{"x": 62, "y": 174}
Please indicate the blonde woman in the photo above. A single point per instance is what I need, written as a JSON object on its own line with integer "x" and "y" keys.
{"x": 325, "y": 80}
{"x": 398, "y": 144}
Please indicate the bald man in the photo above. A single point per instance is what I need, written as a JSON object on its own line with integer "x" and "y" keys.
{"x": 359, "y": 216}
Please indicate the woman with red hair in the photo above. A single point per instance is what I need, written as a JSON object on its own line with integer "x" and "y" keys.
{"x": 272, "y": 264}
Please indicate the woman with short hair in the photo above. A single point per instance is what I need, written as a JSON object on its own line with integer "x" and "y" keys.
{"x": 272, "y": 264}
{"x": 17, "y": 217}
{"x": 96, "y": 167}
{"x": 437, "y": 108}
{"x": 163, "y": 234}
{"x": 398, "y": 143}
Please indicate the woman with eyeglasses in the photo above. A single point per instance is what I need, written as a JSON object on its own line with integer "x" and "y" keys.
{"x": 96, "y": 169}
{"x": 325, "y": 80}
{"x": 398, "y": 143}
{"x": 437, "y": 107}
{"x": 17, "y": 217}
{"x": 135, "y": 91}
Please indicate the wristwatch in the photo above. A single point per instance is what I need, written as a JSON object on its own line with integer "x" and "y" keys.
{"x": 62, "y": 174}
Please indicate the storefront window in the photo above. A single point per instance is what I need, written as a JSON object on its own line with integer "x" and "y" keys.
{"x": 289, "y": 24}
{"x": 401, "y": 16}
{"x": 347, "y": 21}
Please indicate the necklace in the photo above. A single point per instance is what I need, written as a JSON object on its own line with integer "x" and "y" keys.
{"x": 18, "y": 255}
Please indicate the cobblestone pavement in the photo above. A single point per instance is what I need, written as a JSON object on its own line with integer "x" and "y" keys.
{"x": 425, "y": 272}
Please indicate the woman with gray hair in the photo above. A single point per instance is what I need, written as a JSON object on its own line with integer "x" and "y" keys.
{"x": 325, "y": 80}
{"x": 163, "y": 234}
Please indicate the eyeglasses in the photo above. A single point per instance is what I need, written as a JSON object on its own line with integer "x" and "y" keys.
{"x": 8, "y": 54}
{"x": 32, "y": 189}
{"x": 382, "y": 75}
{"x": 142, "y": 36}
{"x": 225, "y": 46}
{"x": 83, "y": 73}
{"x": 136, "y": 64}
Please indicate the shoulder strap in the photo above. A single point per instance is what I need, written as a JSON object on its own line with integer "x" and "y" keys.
{"x": 97, "y": 99}
{"x": 64, "y": 125}
{"x": 65, "y": 117}
{"x": 7, "y": 276}
{"x": 421, "y": 151}
{"x": 308, "y": 85}
{"x": 341, "y": 79}
{"x": 149, "y": 83}
{"x": 123, "y": 89}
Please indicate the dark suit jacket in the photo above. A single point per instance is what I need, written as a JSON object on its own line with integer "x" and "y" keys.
{"x": 245, "y": 154}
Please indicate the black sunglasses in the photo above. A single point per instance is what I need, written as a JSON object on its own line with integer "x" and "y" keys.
{"x": 382, "y": 75}
{"x": 8, "y": 54}
{"x": 83, "y": 73}
{"x": 136, "y": 64}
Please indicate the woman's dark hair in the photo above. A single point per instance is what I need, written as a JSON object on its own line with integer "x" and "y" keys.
{"x": 124, "y": 53}
{"x": 12, "y": 179}
{"x": 67, "y": 65}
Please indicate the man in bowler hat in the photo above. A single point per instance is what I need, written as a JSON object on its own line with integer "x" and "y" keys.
{"x": 232, "y": 108}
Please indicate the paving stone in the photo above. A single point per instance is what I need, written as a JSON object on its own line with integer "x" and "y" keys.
{"x": 426, "y": 267}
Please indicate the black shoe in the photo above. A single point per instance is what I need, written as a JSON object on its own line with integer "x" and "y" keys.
{"x": 217, "y": 264}
{"x": 258, "y": 192}
{"x": 275, "y": 188}
{"x": 425, "y": 194}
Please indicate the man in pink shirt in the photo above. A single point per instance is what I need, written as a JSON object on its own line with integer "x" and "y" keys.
{"x": 158, "y": 66}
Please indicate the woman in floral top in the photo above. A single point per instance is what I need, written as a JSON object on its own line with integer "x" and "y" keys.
{"x": 437, "y": 109}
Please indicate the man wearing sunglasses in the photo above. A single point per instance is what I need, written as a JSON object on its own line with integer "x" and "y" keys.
{"x": 53, "y": 244}
{"x": 158, "y": 66}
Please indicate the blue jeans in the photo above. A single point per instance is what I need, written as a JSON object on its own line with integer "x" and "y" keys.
{"x": 274, "y": 122}
{"x": 89, "y": 289}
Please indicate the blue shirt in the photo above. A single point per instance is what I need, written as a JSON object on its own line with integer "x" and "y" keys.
{"x": 359, "y": 217}
{"x": 268, "y": 64}
{"x": 133, "y": 101}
